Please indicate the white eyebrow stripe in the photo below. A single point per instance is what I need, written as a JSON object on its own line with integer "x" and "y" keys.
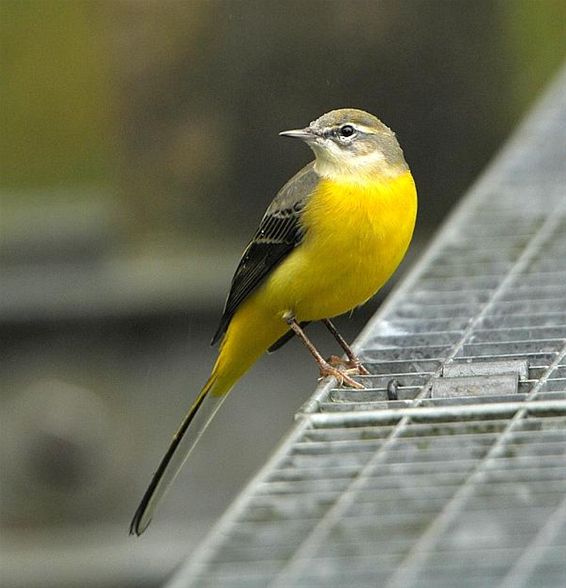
{"x": 364, "y": 129}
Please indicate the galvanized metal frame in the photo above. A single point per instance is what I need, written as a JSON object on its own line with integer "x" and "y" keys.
{"x": 461, "y": 478}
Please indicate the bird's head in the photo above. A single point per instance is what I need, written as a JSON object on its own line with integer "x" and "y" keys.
{"x": 350, "y": 144}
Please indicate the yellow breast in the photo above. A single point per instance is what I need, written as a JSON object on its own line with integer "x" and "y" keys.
{"x": 356, "y": 236}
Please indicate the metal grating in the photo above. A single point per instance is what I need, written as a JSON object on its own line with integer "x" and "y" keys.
{"x": 458, "y": 474}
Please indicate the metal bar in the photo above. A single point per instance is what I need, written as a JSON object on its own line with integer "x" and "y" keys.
{"x": 519, "y": 575}
{"x": 407, "y": 570}
{"x": 426, "y": 414}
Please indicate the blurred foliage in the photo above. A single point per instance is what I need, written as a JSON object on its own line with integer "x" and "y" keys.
{"x": 536, "y": 45}
{"x": 56, "y": 110}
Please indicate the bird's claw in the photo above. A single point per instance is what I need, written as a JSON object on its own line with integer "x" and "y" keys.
{"x": 341, "y": 376}
{"x": 352, "y": 366}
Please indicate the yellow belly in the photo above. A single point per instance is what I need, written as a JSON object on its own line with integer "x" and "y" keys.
{"x": 356, "y": 236}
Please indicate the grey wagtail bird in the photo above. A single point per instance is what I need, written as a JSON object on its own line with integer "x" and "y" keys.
{"x": 329, "y": 240}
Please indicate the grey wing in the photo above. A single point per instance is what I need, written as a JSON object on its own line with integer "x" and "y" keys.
{"x": 279, "y": 232}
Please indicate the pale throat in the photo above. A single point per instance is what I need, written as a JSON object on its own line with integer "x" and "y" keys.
{"x": 356, "y": 168}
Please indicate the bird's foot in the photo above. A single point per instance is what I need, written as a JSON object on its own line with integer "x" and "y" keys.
{"x": 353, "y": 366}
{"x": 341, "y": 376}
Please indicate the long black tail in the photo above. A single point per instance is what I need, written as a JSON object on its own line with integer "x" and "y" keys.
{"x": 187, "y": 436}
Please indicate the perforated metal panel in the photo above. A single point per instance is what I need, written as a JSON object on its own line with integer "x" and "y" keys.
{"x": 456, "y": 475}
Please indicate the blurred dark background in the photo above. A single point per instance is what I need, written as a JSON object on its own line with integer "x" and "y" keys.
{"x": 138, "y": 152}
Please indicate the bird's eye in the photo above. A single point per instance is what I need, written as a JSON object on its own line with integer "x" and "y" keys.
{"x": 347, "y": 130}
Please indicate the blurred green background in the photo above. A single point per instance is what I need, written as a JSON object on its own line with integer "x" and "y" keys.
{"x": 138, "y": 151}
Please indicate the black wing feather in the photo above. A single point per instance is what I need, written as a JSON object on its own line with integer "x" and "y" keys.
{"x": 279, "y": 232}
{"x": 274, "y": 240}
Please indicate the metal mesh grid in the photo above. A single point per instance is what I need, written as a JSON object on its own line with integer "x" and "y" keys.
{"x": 432, "y": 489}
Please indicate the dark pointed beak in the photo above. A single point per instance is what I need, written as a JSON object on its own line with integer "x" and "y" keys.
{"x": 304, "y": 134}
